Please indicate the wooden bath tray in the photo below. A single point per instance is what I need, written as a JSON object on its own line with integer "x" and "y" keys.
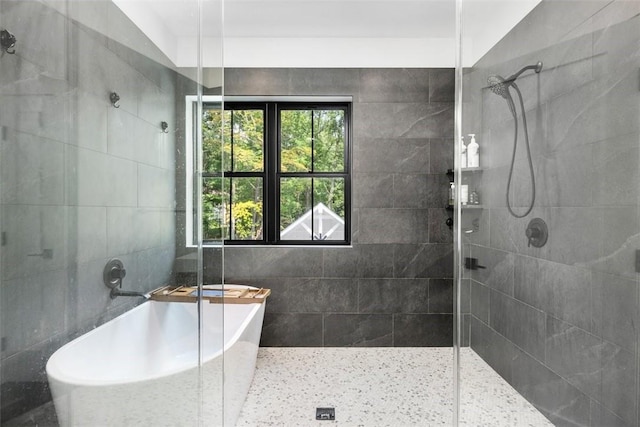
{"x": 229, "y": 295}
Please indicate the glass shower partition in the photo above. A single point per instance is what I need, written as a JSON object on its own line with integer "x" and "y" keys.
{"x": 94, "y": 137}
{"x": 548, "y": 283}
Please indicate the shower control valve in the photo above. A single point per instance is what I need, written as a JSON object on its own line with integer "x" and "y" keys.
{"x": 533, "y": 233}
{"x": 537, "y": 233}
{"x": 113, "y": 273}
{"x": 118, "y": 273}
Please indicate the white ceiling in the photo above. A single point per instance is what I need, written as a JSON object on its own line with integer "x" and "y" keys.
{"x": 336, "y": 19}
{"x": 323, "y": 33}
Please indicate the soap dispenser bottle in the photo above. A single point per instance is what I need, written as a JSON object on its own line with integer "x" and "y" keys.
{"x": 473, "y": 152}
{"x": 452, "y": 194}
{"x": 463, "y": 155}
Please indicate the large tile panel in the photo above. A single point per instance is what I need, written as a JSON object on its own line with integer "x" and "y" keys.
{"x": 403, "y": 120}
{"x": 358, "y": 330}
{"x": 423, "y": 330}
{"x": 393, "y": 226}
{"x": 558, "y": 289}
{"x": 393, "y": 295}
{"x": 396, "y": 85}
{"x": 292, "y": 330}
{"x": 519, "y": 323}
{"x": 558, "y": 400}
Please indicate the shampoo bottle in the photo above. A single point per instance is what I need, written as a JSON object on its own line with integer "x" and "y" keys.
{"x": 464, "y": 194}
{"x": 463, "y": 155}
{"x": 452, "y": 194}
{"x": 473, "y": 152}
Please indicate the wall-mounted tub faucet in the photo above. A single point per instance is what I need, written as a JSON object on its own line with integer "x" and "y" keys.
{"x": 113, "y": 274}
{"x": 115, "y": 292}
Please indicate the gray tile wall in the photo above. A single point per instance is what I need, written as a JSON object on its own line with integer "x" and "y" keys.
{"x": 80, "y": 178}
{"x": 394, "y": 286}
{"x": 561, "y": 322}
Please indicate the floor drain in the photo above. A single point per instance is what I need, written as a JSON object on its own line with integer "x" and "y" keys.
{"x": 326, "y": 414}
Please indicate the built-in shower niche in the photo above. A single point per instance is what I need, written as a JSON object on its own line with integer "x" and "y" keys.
{"x": 473, "y": 219}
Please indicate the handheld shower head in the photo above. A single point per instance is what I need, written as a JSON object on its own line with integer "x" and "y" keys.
{"x": 499, "y": 86}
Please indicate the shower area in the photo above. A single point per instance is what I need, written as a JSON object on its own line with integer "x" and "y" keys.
{"x": 548, "y": 265}
{"x": 488, "y": 279}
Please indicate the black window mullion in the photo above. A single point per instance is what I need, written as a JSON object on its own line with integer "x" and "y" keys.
{"x": 272, "y": 184}
{"x": 348, "y": 165}
{"x": 245, "y": 174}
{"x": 314, "y": 174}
{"x": 231, "y": 168}
{"x": 230, "y": 205}
{"x": 313, "y": 142}
{"x": 313, "y": 193}
{"x": 196, "y": 183}
{"x": 266, "y": 186}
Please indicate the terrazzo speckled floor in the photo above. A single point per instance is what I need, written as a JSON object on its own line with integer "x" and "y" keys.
{"x": 380, "y": 387}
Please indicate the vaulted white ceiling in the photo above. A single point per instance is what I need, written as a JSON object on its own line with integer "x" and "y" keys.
{"x": 323, "y": 33}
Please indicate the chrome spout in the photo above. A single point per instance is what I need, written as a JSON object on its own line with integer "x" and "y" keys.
{"x": 116, "y": 292}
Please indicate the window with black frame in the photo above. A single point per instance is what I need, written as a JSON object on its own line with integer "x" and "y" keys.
{"x": 276, "y": 173}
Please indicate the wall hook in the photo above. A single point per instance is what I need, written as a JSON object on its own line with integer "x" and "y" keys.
{"x": 165, "y": 127}
{"x": 7, "y": 42}
{"x": 115, "y": 99}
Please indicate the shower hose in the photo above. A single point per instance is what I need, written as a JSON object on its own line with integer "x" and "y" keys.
{"x": 512, "y": 107}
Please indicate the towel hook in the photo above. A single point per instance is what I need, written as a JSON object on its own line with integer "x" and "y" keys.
{"x": 115, "y": 100}
{"x": 7, "y": 42}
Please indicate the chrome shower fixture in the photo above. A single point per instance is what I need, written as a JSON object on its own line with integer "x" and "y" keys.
{"x": 165, "y": 127}
{"x": 7, "y": 42}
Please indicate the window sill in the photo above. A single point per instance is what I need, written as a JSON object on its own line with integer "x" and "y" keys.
{"x": 273, "y": 246}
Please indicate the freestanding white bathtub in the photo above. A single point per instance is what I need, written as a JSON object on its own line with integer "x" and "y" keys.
{"x": 141, "y": 368}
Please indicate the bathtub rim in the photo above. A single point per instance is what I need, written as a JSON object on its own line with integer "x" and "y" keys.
{"x": 55, "y": 373}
